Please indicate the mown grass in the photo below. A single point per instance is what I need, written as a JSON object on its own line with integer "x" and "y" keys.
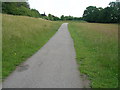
{"x": 22, "y": 37}
{"x": 97, "y": 52}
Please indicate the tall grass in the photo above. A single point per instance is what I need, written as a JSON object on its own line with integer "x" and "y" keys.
{"x": 97, "y": 52}
{"x": 22, "y": 37}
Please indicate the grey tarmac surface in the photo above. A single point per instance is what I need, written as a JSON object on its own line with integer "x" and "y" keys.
{"x": 53, "y": 66}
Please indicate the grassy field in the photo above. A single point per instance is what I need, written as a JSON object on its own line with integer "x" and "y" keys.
{"x": 22, "y": 37}
{"x": 97, "y": 49}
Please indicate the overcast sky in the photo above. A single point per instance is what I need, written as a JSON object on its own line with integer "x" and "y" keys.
{"x": 66, "y": 7}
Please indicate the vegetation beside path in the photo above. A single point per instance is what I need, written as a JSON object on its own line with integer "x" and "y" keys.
{"x": 96, "y": 46}
{"x": 97, "y": 49}
{"x": 22, "y": 37}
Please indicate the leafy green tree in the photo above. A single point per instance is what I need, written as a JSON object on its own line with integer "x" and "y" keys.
{"x": 35, "y": 13}
{"x": 62, "y": 17}
{"x": 107, "y": 15}
{"x": 55, "y": 18}
{"x": 116, "y": 11}
{"x": 19, "y": 8}
{"x": 91, "y": 13}
{"x": 77, "y": 18}
{"x": 68, "y": 18}
{"x": 11, "y": 7}
{"x": 50, "y": 17}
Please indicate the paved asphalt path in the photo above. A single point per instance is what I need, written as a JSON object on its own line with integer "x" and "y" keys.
{"x": 53, "y": 66}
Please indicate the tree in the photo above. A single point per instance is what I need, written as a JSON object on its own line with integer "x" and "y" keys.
{"x": 50, "y": 17}
{"x": 91, "y": 13}
{"x": 62, "y": 17}
{"x": 19, "y": 8}
{"x": 107, "y": 15}
{"x": 11, "y": 7}
{"x": 35, "y": 13}
{"x": 116, "y": 9}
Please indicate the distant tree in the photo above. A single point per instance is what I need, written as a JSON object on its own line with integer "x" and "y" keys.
{"x": 77, "y": 18}
{"x": 113, "y": 4}
{"x": 8, "y": 7}
{"x": 11, "y": 7}
{"x": 22, "y": 11}
{"x": 19, "y": 8}
{"x": 62, "y": 17}
{"x": 68, "y": 17}
{"x": 116, "y": 10}
{"x": 56, "y": 18}
{"x": 91, "y": 13}
{"x": 107, "y": 15}
{"x": 50, "y": 17}
{"x": 45, "y": 17}
{"x": 35, "y": 13}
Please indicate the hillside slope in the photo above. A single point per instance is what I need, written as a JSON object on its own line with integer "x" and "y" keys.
{"x": 22, "y": 37}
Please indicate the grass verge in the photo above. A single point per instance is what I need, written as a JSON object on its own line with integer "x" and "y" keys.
{"x": 97, "y": 52}
{"x": 22, "y": 37}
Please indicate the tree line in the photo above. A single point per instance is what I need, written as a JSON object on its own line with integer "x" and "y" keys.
{"x": 109, "y": 14}
{"x": 23, "y": 8}
{"x": 19, "y": 8}
{"x": 63, "y": 18}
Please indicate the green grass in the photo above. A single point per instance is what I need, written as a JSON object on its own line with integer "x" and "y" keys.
{"x": 96, "y": 52}
{"x": 22, "y": 37}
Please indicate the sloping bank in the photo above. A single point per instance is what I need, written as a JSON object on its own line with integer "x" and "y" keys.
{"x": 22, "y": 37}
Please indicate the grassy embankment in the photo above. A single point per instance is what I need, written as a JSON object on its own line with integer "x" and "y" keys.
{"x": 96, "y": 52}
{"x": 22, "y": 37}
